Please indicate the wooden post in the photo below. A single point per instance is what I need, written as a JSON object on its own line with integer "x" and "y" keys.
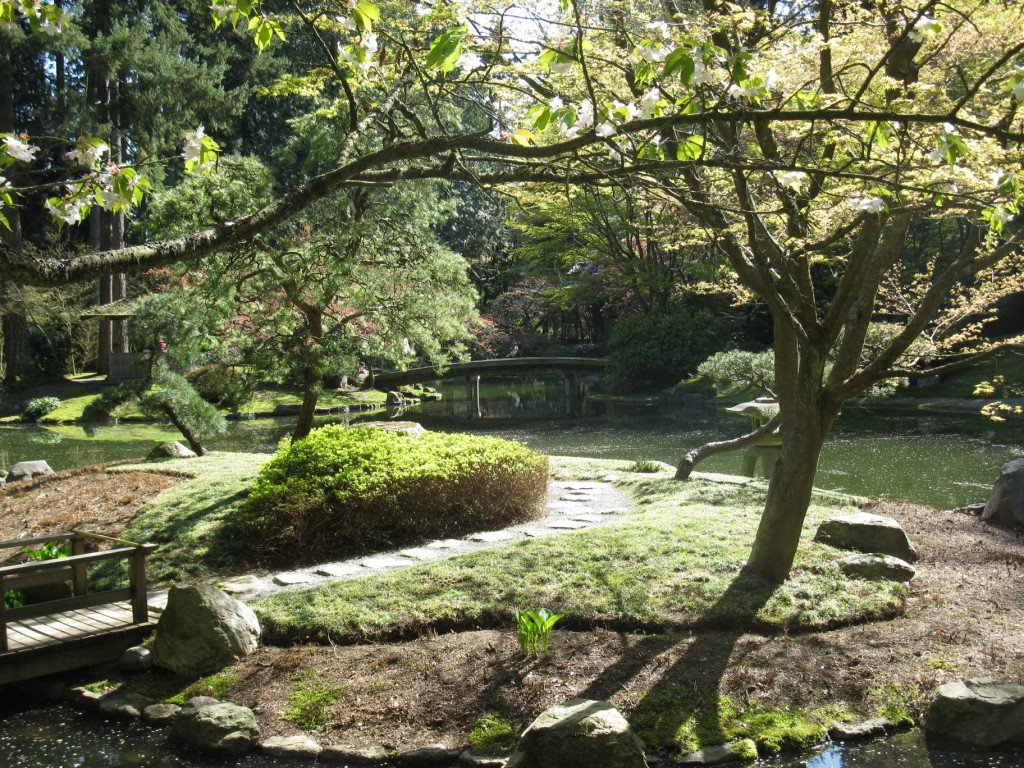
{"x": 137, "y": 582}
{"x": 3, "y": 617}
{"x": 79, "y": 584}
{"x": 473, "y": 397}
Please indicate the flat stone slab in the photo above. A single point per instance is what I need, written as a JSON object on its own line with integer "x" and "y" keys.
{"x": 300, "y": 746}
{"x": 566, "y": 525}
{"x": 587, "y": 517}
{"x": 445, "y": 544}
{"x": 240, "y": 584}
{"x": 346, "y": 755}
{"x": 383, "y": 561}
{"x": 492, "y": 537}
{"x": 567, "y": 506}
{"x": 612, "y": 511}
{"x": 878, "y": 726}
{"x": 291, "y": 578}
{"x": 337, "y": 570}
{"x": 420, "y": 553}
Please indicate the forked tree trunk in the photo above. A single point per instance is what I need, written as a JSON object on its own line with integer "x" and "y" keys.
{"x": 789, "y": 494}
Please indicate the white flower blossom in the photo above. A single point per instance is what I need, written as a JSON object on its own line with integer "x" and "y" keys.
{"x": 701, "y": 74}
{"x": 649, "y": 102}
{"x": 4, "y": 183}
{"x": 369, "y": 42}
{"x": 422, "y": 9}
{"x": 771, "y": 80}
{"x": 19, "y": 150}
{"x": 743, "y": 91}
{"x": 605, "y": 129}
{"x": 949, "y": 128}
{"x": 69, "y": 212}
{"x": 795, "y": 180}
{"x": 468, "y": 61}
{"x": 347, "y": 22}
{"x": 561, "y": 67}
{"x": 998, "y": 177}
{"x": 585, "y": 115}
{"x": 88, "y": 155}
{"x": 1017, "y": 89}
{"x": 659, "y": 27}
{"x": 1001, "y": 215}
{"x": 926, "y": 25}
{"x": 868, "y": 204}
{"x": 653, "y": 54}
{"x": 555, "y": 103}
{"x": 937, "y": 155}
{"x": 630, "y": 109}
{"x": 222, "y": 10}
{"x": 193, "y": 149}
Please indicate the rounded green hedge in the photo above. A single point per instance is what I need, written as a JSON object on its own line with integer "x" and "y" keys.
{"x": 342, "y": 491}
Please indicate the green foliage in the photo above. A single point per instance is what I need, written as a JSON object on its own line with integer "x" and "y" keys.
{"x": 736, "y": 370}
{"x": 353, "y": 490}
{"x": 171, "y": 395}
{"x": 102, "y": 408}
{"x": 217, "y": 685}
{"x": 644, "y": 467}
{"x": 38, "y": 407}
{"x": 13, "y": 598}
{"x": 220, "y": 384}
{"x": 492, "y": 734}
{"x": 535, "y": 630}
{"x": 656, "y": 350}
{"x": 311, "y": 704}
{"x": 51, "y": 550}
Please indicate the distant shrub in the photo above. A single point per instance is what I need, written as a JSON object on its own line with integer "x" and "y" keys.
{"x": 343, "y": 490}
{"x": 738, "y": 370}
{"x": 38, "y": 407}
{"x": 657, "y": 350}
{"x": 219, "y": 384}
{"x": 644, "y": 466}
{"x": 102, "y": 408}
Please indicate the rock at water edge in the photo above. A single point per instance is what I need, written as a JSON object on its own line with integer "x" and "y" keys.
{"x": 225, "y": 729}
{"x": 581, "y": 733}
{"x": 202, "y": 630}
{"x": 983, "y": 711}
{"x": 26, "y": 470}
{"x": 1005, "y": 505}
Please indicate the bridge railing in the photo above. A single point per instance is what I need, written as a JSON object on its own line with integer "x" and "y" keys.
{"x": 73, "y": 569}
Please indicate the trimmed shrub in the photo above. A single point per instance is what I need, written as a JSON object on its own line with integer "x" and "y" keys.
{"x": 38, "y": 407}
{"x": 102, "y": 408}
{"x": 346, "y": 490}
{"x": 655, "y": 351}
{"x": 171, "y": 396}
{"x": 219, "y": 384}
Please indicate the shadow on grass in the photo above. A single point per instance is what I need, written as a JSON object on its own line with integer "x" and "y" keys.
{"x": 685, "y": 705}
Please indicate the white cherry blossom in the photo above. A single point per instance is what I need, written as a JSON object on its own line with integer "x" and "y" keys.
{"x": 88, "y": 155}
{"x": 1017, "y": 89}
{"x": 649, "y": 102}
{"x": 795, "y": 180}
{"x": 605, "y": 129}
{"x": 653, "y": 54}
{"x": 937, "y": 155}
{"x": 19, "y": 149}
{"x": 868, "y": 204}
{"x": 347, "y": 22}
{"x": 562, "y": 67}
{"x": 468, "y": 61}
{"x": 924, "y": 26}
{"x": 555, "y": 103}
{"x": 194, "y": 145}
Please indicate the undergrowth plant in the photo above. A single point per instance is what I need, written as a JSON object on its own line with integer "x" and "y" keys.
{"x": 38, "y": 407}
{"x": 51, "y": 550}
{"x": 535, "y": 630}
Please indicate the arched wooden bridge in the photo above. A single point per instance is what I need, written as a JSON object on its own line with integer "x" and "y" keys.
{"x": 501, "y": 367}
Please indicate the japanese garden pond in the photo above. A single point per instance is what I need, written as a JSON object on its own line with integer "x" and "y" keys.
{"x": 941, "y": 459}
{"x": 59, "y": 737}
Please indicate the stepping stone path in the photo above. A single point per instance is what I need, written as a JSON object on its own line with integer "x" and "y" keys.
{"x": 571, "y": 506}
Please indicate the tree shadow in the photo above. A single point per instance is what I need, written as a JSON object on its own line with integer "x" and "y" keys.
{"x": 686, "y": 696}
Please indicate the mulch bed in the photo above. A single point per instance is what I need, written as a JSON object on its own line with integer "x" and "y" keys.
{"x": 88, "y": 498}
{"x": 964, "y": 617}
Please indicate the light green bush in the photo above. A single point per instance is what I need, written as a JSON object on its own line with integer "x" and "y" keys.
{"x": 38, "y": 407}
{"x": 345, "y": 491}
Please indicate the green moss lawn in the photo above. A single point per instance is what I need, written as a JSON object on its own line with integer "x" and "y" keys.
{"x": 672, "y": 564}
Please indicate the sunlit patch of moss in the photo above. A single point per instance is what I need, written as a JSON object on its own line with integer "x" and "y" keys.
{"x": 311, "y": 704}
{"x": 492, "y": 735}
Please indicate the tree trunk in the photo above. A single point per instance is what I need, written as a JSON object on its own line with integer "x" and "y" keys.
{"x": 310, "y": 395}
{"x": 187, "y": 433}
{"x": 691, "y": 459}
{"x": 789, "y": 494}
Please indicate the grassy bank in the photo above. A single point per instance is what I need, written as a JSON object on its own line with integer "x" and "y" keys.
{"x": 672, "y": 564}
{"x": 76, "y": 394}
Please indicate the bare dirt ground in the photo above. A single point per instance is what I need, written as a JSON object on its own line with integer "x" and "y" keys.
{"x": 964, "y": 618}
{"x": 87, "y": 498}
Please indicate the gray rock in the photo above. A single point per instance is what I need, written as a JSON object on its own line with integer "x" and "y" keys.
{"x": 395, "y": 398}
{"x": 203, "y": 630}
{"x": 226, "y": 729}
{"x": 480, "y": 761}
{"x": 410, "y": 428}
{"x": 1005, "y": 505}
{"x": 240, "y": 584}
{"x": 744, "y": 750}
{"x": 120, "y": 708}
{"x": 82, "y": 696}
{"x": 878, "y": 726}
{"x": 865, "y": 532}
{"x": 581, "y": 733}
{"x": 200, "y": 701}
{"x": 354, "y": 755}
{"x": 982, "y": 711}
{"x": 160, "y": 714}
{"x": 137, "y": 659}
{"x": 300, "y": 746}
{"x": 172, "y": 449}
{"x": 291, "y": 578}
{"x": 438, "y": 755}
{"x": 877, "y": 567}
{"x": 26, "y": 470}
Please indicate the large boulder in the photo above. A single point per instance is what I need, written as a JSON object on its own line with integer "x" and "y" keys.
{"x": 581, "y": 733}
{"x": 225, "y": 729}
{"x": 1005, "y": 505}
{"x": 203, "y": 630}
{"x": 877, "y": 568}
{"x": 983, "y": 712}
{"x": 172, "y": 449}
{"x": 26, "y": 470}
{"x": 865, "y": 532}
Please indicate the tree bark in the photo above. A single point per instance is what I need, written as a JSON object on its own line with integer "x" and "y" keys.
{"x": 310, "y": 395}
{"x": 187, "y": 433}
{"x": 691, "y": 459}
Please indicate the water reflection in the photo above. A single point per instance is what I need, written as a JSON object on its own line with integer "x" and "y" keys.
{"x": 907, "y": 750}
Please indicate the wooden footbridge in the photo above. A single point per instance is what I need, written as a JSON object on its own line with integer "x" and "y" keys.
{"x": 571, "y": 368}
{"x": 76, "y": 627}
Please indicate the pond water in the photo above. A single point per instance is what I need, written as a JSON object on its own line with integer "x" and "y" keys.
{"x": 945, "y": 460}
{"x": 59, "y": 737}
